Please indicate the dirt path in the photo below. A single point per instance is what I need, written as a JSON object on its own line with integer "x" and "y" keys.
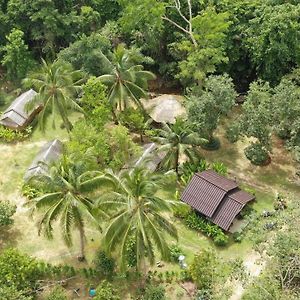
{"x": 254, "y": 264}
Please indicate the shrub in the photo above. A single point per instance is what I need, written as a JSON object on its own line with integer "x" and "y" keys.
{"x": 175, "y": 252}
{"x": 104, "y": 264}
{"x": 246, "y": 211}
{"x": 181, "y": 211}
{"x": 203, "y": 269}
{"x": 9, "y": 136}
{"x": 233, "y": 133}
{"x": 194, "y": 221}
{"x": 154, "y": 293}
{"x": 237, "y": 237}
{"x": 189, "y": 168}
{"x": 10, "y": 293}
{"x": 134, "y": 120}
{"x": 220, "y": 168}
{"x": 29, "y": 191}
{"x": 221, "y": 239}
{"x": 58, "y": 293}
{"x": 257, "y": 154}
{"x": 18, "y": 270}
{"x": 7, "y": 210}
{"x": 105, "y": 291}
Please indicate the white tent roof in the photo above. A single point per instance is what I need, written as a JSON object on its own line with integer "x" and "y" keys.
{"x": 48, "y": 154}
{"x": 16, "y": 114}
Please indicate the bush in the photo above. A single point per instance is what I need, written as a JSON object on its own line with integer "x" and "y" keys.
{"x": 104, "y": 264}
{"x": 58, "y": 293}
{"x": 203, "y": 269}
{"x": 29, "y": 192}
{"x": 181, "y": 211}
{"x": 11, "y": 293}
{"x": 194, "y": 221}
{"x": 154, "y": 293}
{"x": 105, "y": 291}
{"x": 7, "y": 210}
{"x": 9, "y": 136}
{"x": 220, "y": 168}
{"x": 257, "y": 154}
{"x": 221, "y": 239}
{"x": 175, "y": 252}
{"x": 189, "y": 168}
{"x": 233, "y": 133}
{"x": 18, "y": 270}
{"x": 246, "y": 211}
{"x": 237, "y": 237}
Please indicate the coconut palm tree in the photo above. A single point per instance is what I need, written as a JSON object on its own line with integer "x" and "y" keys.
{"x": 176, "y": 140}
{"x": 66, "y": 199}
{"x": 57, "y": 85}
{"x": 126, "y": 81}
{"x": 138, "y": 215}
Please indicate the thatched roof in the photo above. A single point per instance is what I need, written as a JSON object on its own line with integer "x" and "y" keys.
{"x": 165, "y": 108}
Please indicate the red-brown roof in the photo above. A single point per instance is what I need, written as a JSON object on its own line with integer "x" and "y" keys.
{"x": 216, "y": 197}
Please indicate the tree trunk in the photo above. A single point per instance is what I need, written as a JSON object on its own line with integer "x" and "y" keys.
{"x": 177, "y": 163}
{"x": 82, "y": 244}
{"x": 115, "y": 118}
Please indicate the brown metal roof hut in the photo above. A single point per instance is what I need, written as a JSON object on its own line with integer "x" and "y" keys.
{"x": 216, "y": 197}
{"x": 16, "y": 116}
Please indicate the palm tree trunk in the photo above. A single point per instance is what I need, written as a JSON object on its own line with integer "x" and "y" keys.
{"x": 177, "y": 163}
{"x": 82, "y": 244}
{"x": 115, "y": 118}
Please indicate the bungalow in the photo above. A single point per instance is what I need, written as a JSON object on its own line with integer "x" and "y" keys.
{"x": 49, "y": 153}
{"x": 16, "y": 115}
{"x": 217, "y": 198}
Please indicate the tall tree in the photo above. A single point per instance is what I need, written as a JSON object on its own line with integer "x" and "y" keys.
{"x": 65, "y": 196}
{"x": 57, "y": 85}
{"x": 127, "y": 81}
{"x": 138, "y": 215}
{"x": 257, "y": 122}
{"x": 206, "y": 106}
{"x": 17, "y": 58}
{"x": 177, "y": 140}
{"x": 203, "y": 46}
{"x": 273, "y": 39}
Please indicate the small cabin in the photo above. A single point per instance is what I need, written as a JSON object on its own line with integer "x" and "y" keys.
{"x": 16, "y": 116}
{"x": 216, "y": 197}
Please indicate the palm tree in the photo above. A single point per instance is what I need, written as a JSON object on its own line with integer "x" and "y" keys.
{"x": 126, "y": 81}
{"x": 137, "y": 216}
{"x": 57, "y": 85}
{"x": 177, "y": 140}
{"x": 66, "y": 198}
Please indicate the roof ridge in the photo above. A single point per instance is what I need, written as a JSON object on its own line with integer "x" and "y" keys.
{"x": 217, "y": 186}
